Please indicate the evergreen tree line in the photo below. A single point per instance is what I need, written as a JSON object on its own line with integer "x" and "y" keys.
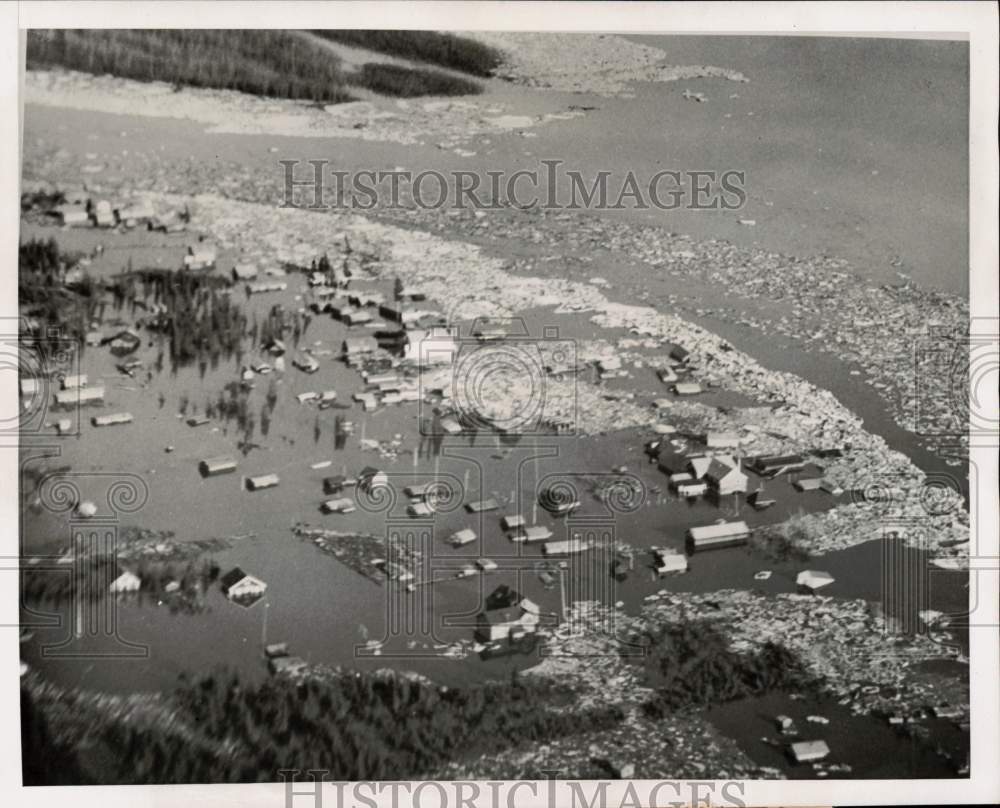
{"x": 405, "y": 82}
{"x": 93, "y": 576}
{"x": 691, "y": 664}
{"x": 356, "y": 726}
{"x": 63, "y": 311}
{"x": 446, "y": 50}
{"x": 270, "y": 63}
{"x": 198, "y": 318}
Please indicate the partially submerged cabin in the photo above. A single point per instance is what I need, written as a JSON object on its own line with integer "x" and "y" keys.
{"x": 126, "y": 582}
{"x": 668, "y": 561}
{"x": 79, "y": 395}
{"x": 262, "y": 481}
{"x": 724, "y": 476}
{"x": 512, "y": 522}
{"x": 808, "y": 751}
{"x": 565, "y": 547}
{"x": 244, "y": 272}
{"x": 262, "y": 287}
{"x": 462, "y": 537}
{"x": 360, "y": 345}
{"x": 721, "y": 534}
{"x": 238, "y": 585}
{"x": 112, "y": 419}
{"x": 481, "y": 505}
{"x": 778, "y": 464}
{"x": 534, "y": 534}
{"x": 217, "y": 465}
{"x": 433, "y": 346}
{"x": 341, "y": 505}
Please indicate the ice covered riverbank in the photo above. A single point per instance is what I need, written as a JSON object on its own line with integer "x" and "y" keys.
{"x": 604, "y": 64}
{"x": 403, "y": 121}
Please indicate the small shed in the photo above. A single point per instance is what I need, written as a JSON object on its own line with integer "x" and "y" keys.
{"x": 481, "y": 505}
{"x": 79, "y": 395}
{"x": 341, "y": 505}
{"x": 244, "y": 272}
{"x": 74, "y": 381}
{"x": 262, "y": 481}
{"x": 668, "y": 561}
{"x": 126, "y": 582}
{"x": 463, "y": 537}
{"x": 112, "y": 419}
{"x": 566, "y": 547}
{"x": 360, "y": 345}
{"x": 687, "y": 388}
{"x": 721, "y": 534}
{"x": 212, "y": 466}
{"x": 808, "y": 751}
{"x": 536, "y": 533}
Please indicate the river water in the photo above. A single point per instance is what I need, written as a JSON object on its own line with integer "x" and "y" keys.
{"x": 848, "y": 169}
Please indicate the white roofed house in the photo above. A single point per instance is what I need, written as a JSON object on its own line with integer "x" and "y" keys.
{"x": 687, "y": 388}
{"x": 73, "y": 215}
{"x": 103, "y": 214}
{"x": 432, "y": 346}
{"x": 239, "y": 586}
{"x": 136, "y": 213}
{"x": 244, "y": 272}
{"x": 724, "y": 476}
{"x": 126, "y": 582}
{"x": 721, "y": 534}
{"x": 669, "y": 561}
{"x": 73, "y": 381}
{"x": 499, "y": 624}
{"x": 200, "y": 256}
{"x": 79, "y": 395}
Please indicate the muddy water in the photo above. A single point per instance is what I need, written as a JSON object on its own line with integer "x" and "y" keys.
{"x": 814, "y": 188}
{"x": 869, "y": 746}
{"x": 322, "y": 608}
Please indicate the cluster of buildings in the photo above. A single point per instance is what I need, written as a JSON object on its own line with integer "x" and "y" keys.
{"x": 82, "y": 210}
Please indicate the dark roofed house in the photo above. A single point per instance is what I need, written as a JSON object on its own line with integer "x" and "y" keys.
{"x": 680, "y": 354}
{"x": 241, "y": 587}
{"x": 334, "y": 484}
{"x": 778, "y": 464}
{"x": 503, "y": 597}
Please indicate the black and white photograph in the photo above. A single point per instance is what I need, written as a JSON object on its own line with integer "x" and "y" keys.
{"x": 479, "y": 399}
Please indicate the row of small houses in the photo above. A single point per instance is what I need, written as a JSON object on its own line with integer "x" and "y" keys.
{"x": 102, "y": 213}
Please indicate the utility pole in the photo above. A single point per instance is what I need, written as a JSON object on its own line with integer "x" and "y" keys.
{"x": 562, "y": 593}
{"x": 263, "y": 627}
